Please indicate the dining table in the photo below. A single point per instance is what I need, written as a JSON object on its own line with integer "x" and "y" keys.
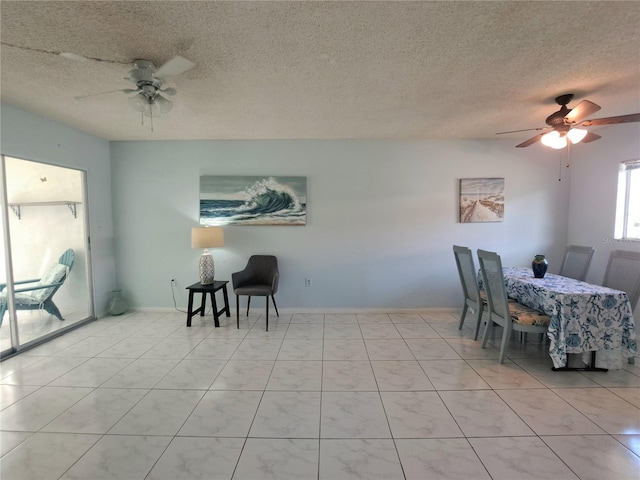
{"x": 585, "y": 318}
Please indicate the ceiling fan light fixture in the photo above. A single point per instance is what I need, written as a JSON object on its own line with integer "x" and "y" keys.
{"x": 139, "y": 102}
{"x": 553, "y": 139}
{"x": 576, "y": 135}
{"x": 164, "y": 105}
{"x": 150, "y": 106}
{"x": 561, "y": 124}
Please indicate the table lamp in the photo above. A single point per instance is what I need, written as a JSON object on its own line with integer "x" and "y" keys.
{"x": 206, "y": 237}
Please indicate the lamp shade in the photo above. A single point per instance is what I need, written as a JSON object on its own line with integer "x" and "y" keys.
{"x": 152, "y": 105}
{"x": 576, "y": 135}
{"x": 139, "y": 102}
{"x": 553, "y": 139}
{"x": 164, "y": 105}
{"x": 207, "y": 237}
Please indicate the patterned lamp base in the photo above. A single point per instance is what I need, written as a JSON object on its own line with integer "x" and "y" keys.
{"x": 206, "y": 269}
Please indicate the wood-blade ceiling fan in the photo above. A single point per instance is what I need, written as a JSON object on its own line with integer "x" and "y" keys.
{"x": 564, "y": 125}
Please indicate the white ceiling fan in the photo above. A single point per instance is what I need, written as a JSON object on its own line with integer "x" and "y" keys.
{"x": 150, "y": 98}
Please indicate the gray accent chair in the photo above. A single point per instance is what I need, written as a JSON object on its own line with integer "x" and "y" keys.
{"x": 576, "y": 261}
{"x": 38, "y": 292}
{"x": 258, "y": 279}
{"x": 473, "y": 298}
{"x": 512, "y": 316}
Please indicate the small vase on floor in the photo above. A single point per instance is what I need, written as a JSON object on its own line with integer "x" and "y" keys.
{"x": 539, "y": 266}
{"x": 117, "y": 305}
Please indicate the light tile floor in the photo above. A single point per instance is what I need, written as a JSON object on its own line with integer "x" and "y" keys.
{"x": 366, "y": 396}
{"x": 35, "y": 324}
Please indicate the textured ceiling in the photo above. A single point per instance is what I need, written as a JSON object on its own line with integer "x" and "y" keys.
{"x": 323, "y": 70}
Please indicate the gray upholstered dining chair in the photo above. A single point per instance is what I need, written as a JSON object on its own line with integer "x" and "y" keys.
{"x": 512, "y": 316}
{"x": 474, "y": 299}
{"x": 577, "y": 259}
{"x": 258, "y": 279}
{"x": 623, "y": 273}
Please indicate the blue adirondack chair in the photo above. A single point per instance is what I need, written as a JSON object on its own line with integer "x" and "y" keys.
{"x": 38, "y": 292}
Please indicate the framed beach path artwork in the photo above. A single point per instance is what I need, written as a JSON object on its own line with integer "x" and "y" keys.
{"x": 253, "y": 200}
{"x": 481, "y": 200}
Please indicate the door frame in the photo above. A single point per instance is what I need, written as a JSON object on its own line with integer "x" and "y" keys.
{"x": 16, "y": 346}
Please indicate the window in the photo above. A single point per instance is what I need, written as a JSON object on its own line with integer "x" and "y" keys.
{"x": 628, "y": 206}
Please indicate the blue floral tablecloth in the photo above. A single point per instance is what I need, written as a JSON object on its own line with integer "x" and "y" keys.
{"x": 584, "y": 317}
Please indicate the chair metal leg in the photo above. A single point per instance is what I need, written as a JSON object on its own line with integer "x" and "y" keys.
{"x": 464, "y": 313}
{"x": 238, "y": 311}
{"x": 248, "y": 303}
{"x": 506, "y": 334}
{"x": 267, "y": 302}
{"x": 487, "y": 331}
{"x": 478, "y": 322}
{"x": 274, "y": 305}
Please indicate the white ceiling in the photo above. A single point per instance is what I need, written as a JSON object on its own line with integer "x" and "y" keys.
{"x": 323, "y": 70}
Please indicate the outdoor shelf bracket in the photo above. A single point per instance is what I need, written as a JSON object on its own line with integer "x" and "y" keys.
{"x": 16, "y": 210}
{"x": 71, "y": 205}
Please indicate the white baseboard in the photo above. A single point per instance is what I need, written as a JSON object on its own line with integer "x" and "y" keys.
{"x": 291, "y": 311}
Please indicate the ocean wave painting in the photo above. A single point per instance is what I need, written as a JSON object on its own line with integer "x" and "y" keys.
{"x": 252, "y": 200}
{"x": 481, "y": 200}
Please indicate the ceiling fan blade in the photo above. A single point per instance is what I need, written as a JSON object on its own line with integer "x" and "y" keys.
{"x": 84, "y": 97}
{"x": 581, "y": 111}
{"x": 524, "y": 130}
{"x": 531, "y": 141}
{"x": 176, "y": 66}
{"x": 590, "y": 137}
{"x": 632, "y": 117}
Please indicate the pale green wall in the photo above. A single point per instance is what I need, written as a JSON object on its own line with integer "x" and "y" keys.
{"x": 382, "y": 217}
{"x": 382, "y": 214}
{"x": 28, "y": 136}
{"x": 593, "y": 194}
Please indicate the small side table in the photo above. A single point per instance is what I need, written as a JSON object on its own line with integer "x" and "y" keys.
{"x": 210, "y": 289}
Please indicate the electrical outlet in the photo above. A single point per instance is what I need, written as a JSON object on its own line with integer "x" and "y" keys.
{"x": 307, "y": 282}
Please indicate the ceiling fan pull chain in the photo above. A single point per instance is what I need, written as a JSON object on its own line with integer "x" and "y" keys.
{"x": 560, "y": 169}
{"x": 560, "y": 162}
{"x": 567, "y": 165}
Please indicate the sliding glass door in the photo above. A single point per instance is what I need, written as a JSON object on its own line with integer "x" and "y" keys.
{"x": 45, "y": 253}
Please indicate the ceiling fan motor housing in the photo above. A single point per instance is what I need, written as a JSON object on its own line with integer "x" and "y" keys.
{"x": 149, "y": 90}
{"x": 144, "y": 77}
{"x": 557, "y": 119}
